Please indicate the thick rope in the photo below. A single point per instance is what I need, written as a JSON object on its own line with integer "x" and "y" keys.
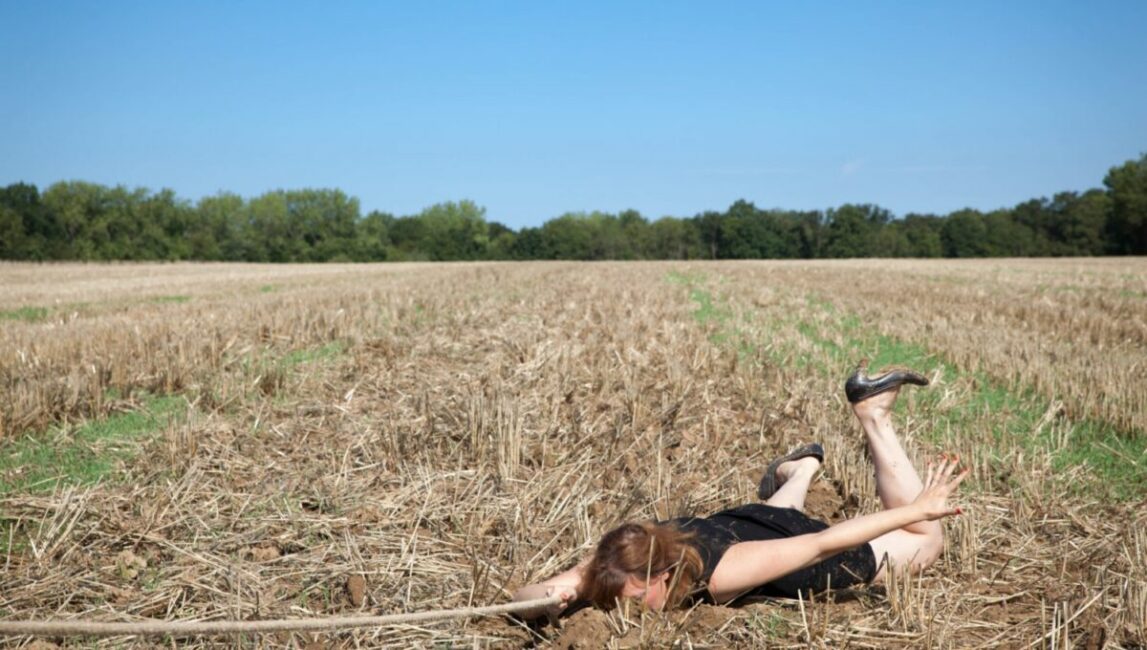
{"x": 195, "y": 628}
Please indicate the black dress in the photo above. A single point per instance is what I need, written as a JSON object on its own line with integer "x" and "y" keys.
{"x": 716, "y": 533}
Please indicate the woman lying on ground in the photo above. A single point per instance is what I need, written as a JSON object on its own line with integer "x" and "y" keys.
{"x": 774, "y": 549}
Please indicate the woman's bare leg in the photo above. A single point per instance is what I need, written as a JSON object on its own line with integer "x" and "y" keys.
{"x": 796, "y": 477}
{"x": 897, "y": 483}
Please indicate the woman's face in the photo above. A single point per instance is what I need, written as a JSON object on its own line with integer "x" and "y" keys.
{"x": 653, "y": 593}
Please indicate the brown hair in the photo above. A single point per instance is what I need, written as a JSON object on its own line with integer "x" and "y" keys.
{"x": 640, "y": 549}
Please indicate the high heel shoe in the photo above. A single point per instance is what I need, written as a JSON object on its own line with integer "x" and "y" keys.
{"x": 769, "y": 482}
{"x": 860, "y": 386}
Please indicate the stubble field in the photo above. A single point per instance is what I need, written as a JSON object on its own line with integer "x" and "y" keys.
{"x": 252, "y": 442}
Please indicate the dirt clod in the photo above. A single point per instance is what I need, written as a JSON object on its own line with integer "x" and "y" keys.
{"x": 356, "y": 589}
{"x": 266, "y": 553}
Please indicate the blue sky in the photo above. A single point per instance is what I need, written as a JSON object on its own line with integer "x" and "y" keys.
{"x": 533, "y": 109}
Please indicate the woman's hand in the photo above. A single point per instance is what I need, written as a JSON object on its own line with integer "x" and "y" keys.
{"x": 566, "y": 593}
{"x": 564, "y": 585}
{"x": 938, "y": 486}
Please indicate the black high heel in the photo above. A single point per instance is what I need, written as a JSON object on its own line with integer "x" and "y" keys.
{"x": 860, "y": 386}
{"x": 769, "y": 482}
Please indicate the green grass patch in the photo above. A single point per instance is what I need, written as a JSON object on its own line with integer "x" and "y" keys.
{"x": 715, "y": 312}
{"x": 708, "y": 311}
{"x": 773, "y": 625}
{"x": 26, "y": 314}
{"x": 1116, "y": 460}
{"x": 85, "y": 455}
{"x": 268, "y": 288}
{"x": 1012, "y": 417}
{"x": 269, "y": 373}
{"x": 166, "y": 299}
{"x": 311, "y": 355}
{"x": 1007, "y": 418}
{"x": 686, "y": 278}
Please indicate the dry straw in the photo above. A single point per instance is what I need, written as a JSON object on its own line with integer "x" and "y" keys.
{"x": 402, "y": 438}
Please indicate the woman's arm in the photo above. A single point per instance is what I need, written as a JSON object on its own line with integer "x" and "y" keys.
{"x": 751, "y": 564}
{"x": 565, "y": 584}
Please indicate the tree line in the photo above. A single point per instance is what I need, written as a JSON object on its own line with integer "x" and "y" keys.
{"x": 76, "y": 220}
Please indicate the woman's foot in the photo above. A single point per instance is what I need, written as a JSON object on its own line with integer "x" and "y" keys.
{"x": 806, "y": 466}
{"x": 860, "y": 387}
{"x": 805, "y": 458}
{"x": 794, "y": 477}
{"x": 877, "y": 408}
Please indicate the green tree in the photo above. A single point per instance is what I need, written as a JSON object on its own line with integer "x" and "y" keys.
{"x": 502, "y": 241}
{"x": 709, "y": 228}
{"x": 216, "y": 232}
{"x": 923, "y": 235}
{"x": 607, "y": 237}
{"x": 635, "y": 235}
{"x": 373, "y": 237}
{"x": 406, "y": 239}
{"x": 454, "y": 231}
{"x": 964, "y": 234}
{"x": 853, "y": 231}
{"x": 267, "y": 229}
{"x": 78, "y": 209}
{"x": 745, "y": 233}
{"x": 1127, "y": 222}
{"x": 891, "y": 240}
{"x": 164, "y": 221}
{"x": 27, "y": 231}
{"x": 529, "y": 244}
{"x": 324, "y": 220}
{"x": 1076, "y": 223}
{"x": 1021, "y": 231}
{"x": 810, "y": 234}
{"x": 674, "y": 239}
{"x": 13, "y": 244}
{"x": 566, "y": 237}
{"x": 1004, "y": 236}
